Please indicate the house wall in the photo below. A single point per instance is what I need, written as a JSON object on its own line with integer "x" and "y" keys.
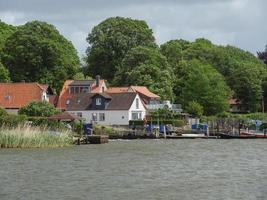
{"x": 12, "y": 111}
{"x": 133, "y": 108}
{"x": 112, "y": 117}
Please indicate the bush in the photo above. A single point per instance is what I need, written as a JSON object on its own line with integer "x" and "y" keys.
{"x": 195, "y": 109}
{"x": 2, "y": 111}
{"x": 39, "y": 109}
{"x": 13, "y": 120}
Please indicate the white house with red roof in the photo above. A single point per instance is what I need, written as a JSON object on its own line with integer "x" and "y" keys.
{"x": 13, "y": 96}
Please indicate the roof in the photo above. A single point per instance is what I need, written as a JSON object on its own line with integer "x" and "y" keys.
{"x": 17, "y": 95}
{"x": 234, "y": 101}
{"x": 82, "y": 83}
{"x": 117, "y": 101}
{"x": 117, "y": 89}
{"x": 144, "y": 91}
{"x": 65, "y": 95}
{"x": 105, "y": 95}
{"x": 64, "y": 116}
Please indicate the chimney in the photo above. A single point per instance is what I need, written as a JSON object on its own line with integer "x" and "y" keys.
{"x": 97, "y": 80}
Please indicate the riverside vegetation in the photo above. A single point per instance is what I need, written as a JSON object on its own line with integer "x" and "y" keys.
{"x": 25, "y": 136}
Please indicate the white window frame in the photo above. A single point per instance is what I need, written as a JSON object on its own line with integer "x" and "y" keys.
{"x": 98, "y": 101}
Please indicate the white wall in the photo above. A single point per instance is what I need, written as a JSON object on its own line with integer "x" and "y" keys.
{"x": 112, "y": 117}
{"x": 140, "y": 109}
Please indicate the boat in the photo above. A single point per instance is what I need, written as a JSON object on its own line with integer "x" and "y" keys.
{"x": 241, "y": 136}
{"x": 258, "y": 134}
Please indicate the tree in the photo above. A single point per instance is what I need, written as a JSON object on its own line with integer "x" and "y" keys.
{"x": 205, "y": 85}
{"x": 38, "y": 109}
{"x": 227, "y": 60}
{"x": 4, "y": 74}
{"x": 148, "y": 67}
{"x": 5, "y": 31}
{"x": 110, "y": 41}
{"x": 37, "y": 52}
{"x": 195, "y": 109}
{"x": 263, "y": 55}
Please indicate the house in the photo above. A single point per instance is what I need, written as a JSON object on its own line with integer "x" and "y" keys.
{"x": 74, "y": 87}
{"x": 107, "y": 108}
{"x": 236, "y": 106}
{"x": 150, "y": 100}
{"x": 147, "y": 96}
{"x": 13, "y": 96}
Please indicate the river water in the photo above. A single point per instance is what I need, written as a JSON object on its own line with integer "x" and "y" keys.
{"x": 137, "y": 170}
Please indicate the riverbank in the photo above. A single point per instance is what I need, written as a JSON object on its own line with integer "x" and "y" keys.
{"x": 33, "y": 137}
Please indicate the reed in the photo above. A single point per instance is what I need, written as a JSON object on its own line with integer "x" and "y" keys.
{"x": 25, "y": 136}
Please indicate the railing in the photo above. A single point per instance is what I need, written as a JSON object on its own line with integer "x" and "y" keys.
{"x": 173, "y": 107}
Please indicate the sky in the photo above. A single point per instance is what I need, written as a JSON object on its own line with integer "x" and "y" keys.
{"x": 241, "y": 23}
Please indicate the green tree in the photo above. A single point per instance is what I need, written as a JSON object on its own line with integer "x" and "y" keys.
{"x": 228, "y": 60}
{"x": 36, "y": 51}
{"x": 4, "y": 74}
{"x": 195, "y": 109}
{"x": 5, "y": 31}
{"x": 38, "y": 109}
{"x": 263, "y": 55}
{"x": 110, "y": 41}
{"x": 205, "y": 85}
{"x": 146, "y": 66}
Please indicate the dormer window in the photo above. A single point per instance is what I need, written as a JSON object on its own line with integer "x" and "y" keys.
{"x": 98, "y": 101}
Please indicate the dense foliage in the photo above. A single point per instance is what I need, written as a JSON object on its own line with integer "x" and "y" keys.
{"x": 37, "y": 52}
{"x": 4, "y": 74}
{"x": 195, "y": 109}
{"x": 111, "y": 40}
{"x": 146, "y": 66}
{"x": 263, "y": 55}
{"x": 242, "y": 71}
{"x": 37, "y": 108}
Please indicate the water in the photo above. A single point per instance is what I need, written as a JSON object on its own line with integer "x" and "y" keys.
{"x": 138, "y": 169}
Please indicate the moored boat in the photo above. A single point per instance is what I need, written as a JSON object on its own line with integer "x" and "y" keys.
{"x": 257, "y": 134}
{"x": 231, "y": 136}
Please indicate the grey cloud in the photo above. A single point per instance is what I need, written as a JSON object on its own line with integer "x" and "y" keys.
{"x": 235, "y": 22}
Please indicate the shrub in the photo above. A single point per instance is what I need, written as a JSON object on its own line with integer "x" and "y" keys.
{"x": 2, "y": 111}
{"x": 38, "y": 108}
{"x": 195, "y": 109}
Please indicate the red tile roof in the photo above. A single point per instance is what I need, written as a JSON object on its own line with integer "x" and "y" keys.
{"x": 117, "y": 89}
{"x": 17, "y": 95}
{"x": 144, "y": 90}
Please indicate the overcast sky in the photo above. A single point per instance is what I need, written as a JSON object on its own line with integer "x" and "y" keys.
{"x": 237, "y": 22}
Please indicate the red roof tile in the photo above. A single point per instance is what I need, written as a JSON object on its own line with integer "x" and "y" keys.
{"x": 17, "y": 95}
{"x": 144, "y": 90}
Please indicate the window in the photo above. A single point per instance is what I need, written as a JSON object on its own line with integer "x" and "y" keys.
{"x": 136, "y": 115}
{"x": 94, "y": 117}
{"x": 98, "y": 101}
{"x": 103, "y": 89}
{"x": 79, "y": 114}
{"x": 77, "y": 90}
{"x": 102, "y": 117}
{"x": 72, "y": 90}
{"x": 78, "y": 101}
{"x": 67, "y": 102}
{"x": 85, "y": 90}
{"x": 137, "y": 103}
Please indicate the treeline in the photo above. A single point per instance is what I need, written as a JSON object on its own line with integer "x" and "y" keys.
{"x": 124, "y": 52}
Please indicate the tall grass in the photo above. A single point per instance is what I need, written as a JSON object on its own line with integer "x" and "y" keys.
{"x": 25, "y": 136}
